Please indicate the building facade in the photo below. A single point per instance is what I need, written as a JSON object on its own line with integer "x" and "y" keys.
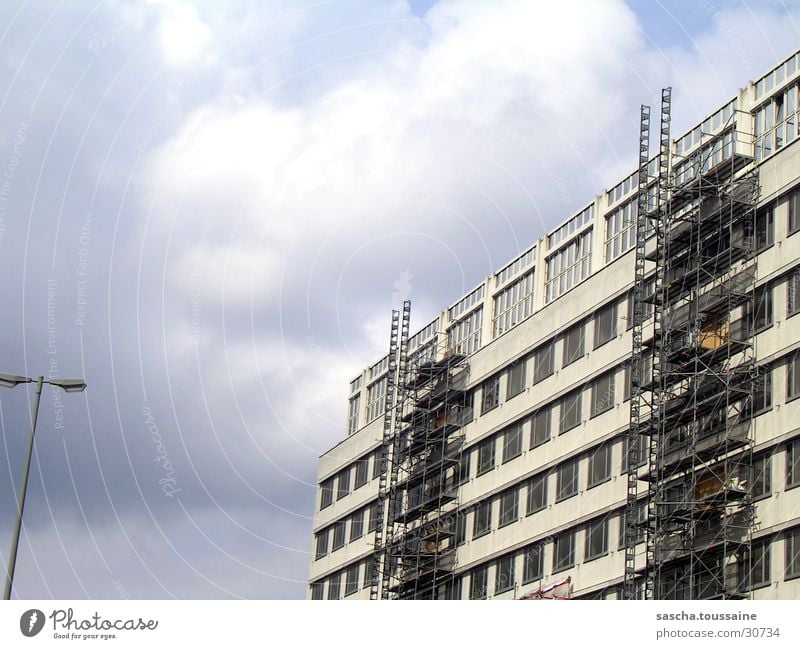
{"x": 521, "y": 486}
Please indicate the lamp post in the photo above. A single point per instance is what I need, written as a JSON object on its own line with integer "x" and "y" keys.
{"x": 11, "y": 381}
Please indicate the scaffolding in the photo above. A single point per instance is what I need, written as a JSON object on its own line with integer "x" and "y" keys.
{"x": 426, "y": 466}
{"x": 693, "y": 368}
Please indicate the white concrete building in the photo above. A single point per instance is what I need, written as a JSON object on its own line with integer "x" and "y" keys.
{"x": 541, "y": 489}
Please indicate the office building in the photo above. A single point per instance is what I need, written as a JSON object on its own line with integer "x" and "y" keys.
{"x": 612, "y": 413}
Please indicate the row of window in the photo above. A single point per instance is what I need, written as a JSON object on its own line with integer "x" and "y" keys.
{"x": 533, "y": 496}
{"x": 335, "y": 535}
{"x": 342, "y": 483}
{"x": 345, "y": 582}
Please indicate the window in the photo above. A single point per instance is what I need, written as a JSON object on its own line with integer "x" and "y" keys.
{"x": 482, "y": 523}
{"x": 596, "y": 538}
{"x": 762, "y": 477}
{"x": 357, "y": 525}
{"x": 533, "y": 563}
{"x": 322, "y": 544}
{"x": 759, "y": 567}
{"x": 370, "y": 574}
{"x": 626, "y": 382}
{"x": 564, "y": 551}
{"x": 793, "y": 292}
{"x": 573, "y": 345}
{"x": 599, "y": 465}
{"x": 376, "y": 463}
{"x": 603, "y": 394}
{"x": 338, "y": 535}
{"x": 362, "y": 472}
{"x": 465, "y": 335}
{"x": 326, "y": 493}
{"x": 605, "y": 325}
{"x": 621, "y": 230}
{"x": 573, "y": 225}
{"x": 792, "y": 544}
{"x": 334, "y": 585}
{"x": 513, "y": 304}
{"x": 491, "y": 394}
{"x": 343, "y": 484}
{"x": 568, "y": 266}
{"x": 570, "y": 411}
{"x": 543, "y": 362}
{"x": 793, "y": 376}
{"x": 461, "y": 528}
{"x": 793, "y": 206}
{"x": 793, "y": 463}
{"x": 376, "y": 397}
{"x": 762, "y": 390}
{"x": 540, "y": 427}
{"x": 504, "y": 574}
{"x": 477, "y": 583}
{"x": 537, "y": 493}
{"x": 374, "y": 516}
{"x": 765, "y": 229}
{"x": 516, "y": 379}
{"x": 352, "y": 416}
{"x": 512, "y": 442}
{"x": 486, "y": 456}
{"x": 760, "y": 316}
{"x": 509, "y": 507}
{"x": 567, "y": 480}
{"x": 351, "y": 580}
{"x": 317, "y": 590}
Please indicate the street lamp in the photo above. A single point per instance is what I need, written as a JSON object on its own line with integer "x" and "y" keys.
{"x": 11, "y": 381}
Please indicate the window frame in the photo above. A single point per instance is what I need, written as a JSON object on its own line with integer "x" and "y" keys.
{"x": 362, "y": 466}
{"x": 791, "y": 543}
{"x": 322, "y": 539}
{"x": 793, "y": 376}
{"x": 509, "y": 507}
{"x": 536, "y": 485}
{"x": 607, "y": 392}
{"x": 761, "y": 484}
{"x": 528, "y": 565}
{"x": 560, "y": 541}
{"x": 343, "y": 483}
{"x": 609, "y": 311}
{"x": 573, "y": 344}
{"x": 516, "y": 378}
{"x": 563, "y": 483}
{"x": 490, "y": 394}
{"x": 504, "y": 568}
{"x": 479, "y": 576}
{"x": 593, "y": 481}
{"x": 350, "y": 584}
{"x": 357, "y": 525}
{"x": 484, "y": 464}
{"x": 592, "y": 528}
{"x": 543, "y": 357}
{"x": 793, "y": 293}
{"x": 339, "y": 525}
{"x": 326, "y": 493}
{"x": 482, "y": 519}
{"x": 792, "y": 464}
{"x": 544, "y": 413}
{"x": 565, "y": 423}
{"x": 512, "y": 433}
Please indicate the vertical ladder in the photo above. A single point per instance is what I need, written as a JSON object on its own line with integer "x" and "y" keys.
{"x": 398, "y": 343}
{"x": 388, "y": 410}
{"x": 662, "y": 221}
{"x": 394, "y": 495}
{"x": 637, "y": 375}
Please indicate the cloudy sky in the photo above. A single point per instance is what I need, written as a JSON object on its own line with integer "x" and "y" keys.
{"x": 207, "y": 208}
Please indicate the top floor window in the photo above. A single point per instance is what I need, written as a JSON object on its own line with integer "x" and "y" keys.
{"x": 568, "y": 266}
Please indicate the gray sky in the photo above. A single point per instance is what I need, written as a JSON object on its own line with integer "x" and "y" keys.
{"x": 205, "y": 209}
